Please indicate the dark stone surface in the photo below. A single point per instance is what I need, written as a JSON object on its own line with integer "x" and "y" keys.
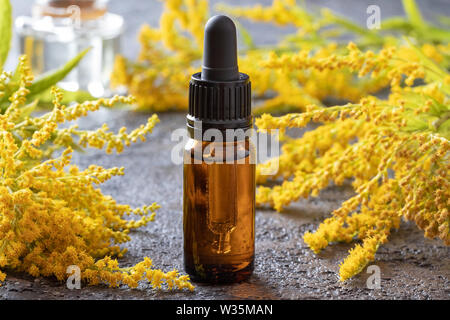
{"x": 411, "y": 267}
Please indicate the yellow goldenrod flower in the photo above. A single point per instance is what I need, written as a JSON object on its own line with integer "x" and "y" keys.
{"x": 395, "y": 151}
{"x": 52, "y": 214}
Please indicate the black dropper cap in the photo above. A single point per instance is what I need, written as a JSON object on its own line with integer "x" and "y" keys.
{"x": 220, "y": 50}
{"x": 220, "y": 96}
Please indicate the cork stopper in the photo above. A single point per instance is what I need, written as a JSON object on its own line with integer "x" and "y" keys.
{"x": 82, "y": 9}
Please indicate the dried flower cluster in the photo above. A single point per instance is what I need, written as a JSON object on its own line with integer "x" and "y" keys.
{"x": 395, "y": 150}
{"x": 52, "y": 215}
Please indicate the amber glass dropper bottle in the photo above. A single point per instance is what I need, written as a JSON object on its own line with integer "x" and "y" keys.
{"x": 219, "y": 171}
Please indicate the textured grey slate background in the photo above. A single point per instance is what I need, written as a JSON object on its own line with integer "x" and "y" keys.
{"x": 411, "y": 267}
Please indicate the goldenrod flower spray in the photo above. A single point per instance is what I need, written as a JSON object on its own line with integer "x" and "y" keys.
{"x": 395, "y": 152}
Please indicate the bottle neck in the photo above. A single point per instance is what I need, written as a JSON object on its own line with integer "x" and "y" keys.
{"x": 219, "y": 131}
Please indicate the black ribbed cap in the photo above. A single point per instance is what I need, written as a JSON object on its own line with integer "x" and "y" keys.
{"x": 220, "y": 96}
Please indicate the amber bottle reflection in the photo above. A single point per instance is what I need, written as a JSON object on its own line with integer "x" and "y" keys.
{"x": 219, "y": 211}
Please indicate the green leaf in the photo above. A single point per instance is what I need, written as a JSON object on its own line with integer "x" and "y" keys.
{"x": 245, "y": 36}
{"x": 444, "y": 20}
{"x": 42, "y": 83}
{"x": 396, "y": 24}
{"x": 437, "y": 35}
{"x": 350, "y": 26}
{"x": 5, "y": 30}
{"x": 433, "y": 72}
{"x": 413, "y": 13}
{"x": 444, "y": 129}
{"x": 46, "y": 98}
{"x": 26, "y": 110}
{"x": 53, "y": 77}
{"x": 416, "y": 124}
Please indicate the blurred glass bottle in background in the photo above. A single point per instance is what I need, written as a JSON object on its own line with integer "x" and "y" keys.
{"x": 60, "y": 29}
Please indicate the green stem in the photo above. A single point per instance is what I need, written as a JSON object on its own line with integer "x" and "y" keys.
{"x": 437, "y": 123}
